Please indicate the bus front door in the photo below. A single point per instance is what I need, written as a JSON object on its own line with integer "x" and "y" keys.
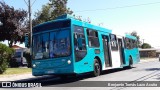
{"x": 107, "y": 54}
{"x": 121, "y": 50}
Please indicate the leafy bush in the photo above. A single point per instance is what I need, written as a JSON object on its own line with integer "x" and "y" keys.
{"x": 5, "y": 56}
{"x": 13, "y": 63}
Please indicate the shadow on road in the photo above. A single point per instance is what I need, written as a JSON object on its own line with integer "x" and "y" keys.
{"x": 116, "y": 70}
{"x": 152, "y": 69}
{"x": 156, "y": 72}
{"x": 58, "y": 82}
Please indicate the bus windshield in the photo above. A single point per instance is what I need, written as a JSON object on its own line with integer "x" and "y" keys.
{"x": 51, "y": 44}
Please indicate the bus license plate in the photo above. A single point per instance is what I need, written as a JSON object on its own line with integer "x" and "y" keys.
{"x": 50, "y": 71}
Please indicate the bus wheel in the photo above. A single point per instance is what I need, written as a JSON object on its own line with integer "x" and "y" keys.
{"x": 130, "y": 62}
{"x": 97, "y": 68}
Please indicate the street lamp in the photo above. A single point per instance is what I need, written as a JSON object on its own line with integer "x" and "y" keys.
{"x": 51, "y": 9}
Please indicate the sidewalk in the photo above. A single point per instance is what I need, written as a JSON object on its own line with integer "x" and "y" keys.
{"x": 16, "y": 77}
{"x": 29, "y": 75}
{"x": 148, "y": 60}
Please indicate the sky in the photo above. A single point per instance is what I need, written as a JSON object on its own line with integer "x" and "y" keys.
{"x": 121, "y": 16}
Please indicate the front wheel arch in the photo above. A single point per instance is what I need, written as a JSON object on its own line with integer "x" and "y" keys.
{"x": 99, "y": 62}
{"x": 96, "y": 68}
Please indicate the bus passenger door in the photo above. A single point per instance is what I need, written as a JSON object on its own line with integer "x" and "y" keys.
{"x": 107, "y": 53}
{"x": 120, "y": 44}
{"x": 115, "y": 54}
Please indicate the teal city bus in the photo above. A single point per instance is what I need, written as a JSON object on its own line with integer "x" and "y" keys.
{"x": 67, "y": 46}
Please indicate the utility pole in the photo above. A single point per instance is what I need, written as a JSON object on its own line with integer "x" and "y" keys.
{"x": 143, "y": 40}
{"x": 52, "y": 8}
{"x": 30, "y": 21}
{"x": 30, "y": 18}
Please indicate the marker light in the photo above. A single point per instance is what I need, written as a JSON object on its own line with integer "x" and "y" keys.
{"x": 69, "y": 61}
{"x": 34, "y": 65}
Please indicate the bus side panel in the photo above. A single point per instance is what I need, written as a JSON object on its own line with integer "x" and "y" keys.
{"x": 134, "y": 53}
{"x": 86, "y": 64}
{"x": 83, "y": 65}
{"x": 115, "y": 59}
{"x": 126, "y": 54}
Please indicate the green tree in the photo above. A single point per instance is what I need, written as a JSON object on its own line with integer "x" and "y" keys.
{"x": 145, "y": 45}
{"x": 13, "y": 24}
{"x": 51, "y": 11}
{"x": 5, "y": 56}
{"x": 134, "y": 33}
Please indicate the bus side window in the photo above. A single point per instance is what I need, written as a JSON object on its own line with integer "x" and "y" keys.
{"x": 114, "y": 45}
{"x": 79, "y": 43}
{"x": 135, "y": 43}
{"x": 93, "y": 39}
{"x": 130, "y": 43}
{"x": 127, "y": 43}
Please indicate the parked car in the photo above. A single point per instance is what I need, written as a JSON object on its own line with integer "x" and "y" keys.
{"x": 19, "y": 59}
{"x": 24, "y": 61}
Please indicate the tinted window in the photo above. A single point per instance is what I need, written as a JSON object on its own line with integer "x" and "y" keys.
{"x": 114, "y": 45}
{"x": 60, "y": 43}
{"x": 45, "y": 45}
{"x": 93, "y": 40}
{"x": 52, "y": 25}
{"x": 37, "y": 47}
{"x": 79, "y": 43}
{"x": 51, "y": 45}
{"x": 130, "y": 43}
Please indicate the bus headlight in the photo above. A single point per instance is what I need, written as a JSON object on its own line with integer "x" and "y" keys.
{"x": 34, "y": 65}
{"x": 69, "y": 61}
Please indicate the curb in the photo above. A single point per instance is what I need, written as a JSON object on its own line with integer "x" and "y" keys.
{"x": 148, "y": 60}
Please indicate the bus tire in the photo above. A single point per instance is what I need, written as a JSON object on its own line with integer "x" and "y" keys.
{"x": 97, "y": 68}
{"x": 130, "y": 62}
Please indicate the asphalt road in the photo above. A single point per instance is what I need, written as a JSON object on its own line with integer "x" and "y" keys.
{"x": 146, "y": 71}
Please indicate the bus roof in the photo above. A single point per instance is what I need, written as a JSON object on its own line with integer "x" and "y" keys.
{"x": 130, "y": 36}
{"x": 49, "y": 22}
{"x": 60, "y": 18}
{"x": 90, "y": 26}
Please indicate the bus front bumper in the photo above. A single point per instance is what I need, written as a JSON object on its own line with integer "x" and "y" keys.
{"x": 54, "y": 71}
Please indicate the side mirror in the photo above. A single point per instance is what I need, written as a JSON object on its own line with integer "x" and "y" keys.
{"x": 27, "y": 40}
